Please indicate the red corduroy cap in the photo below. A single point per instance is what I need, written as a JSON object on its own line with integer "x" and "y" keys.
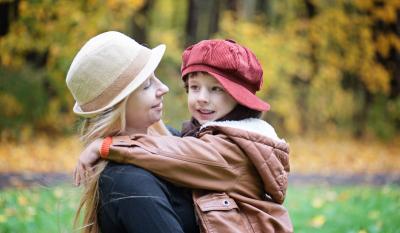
{"x": 234, "y": 66}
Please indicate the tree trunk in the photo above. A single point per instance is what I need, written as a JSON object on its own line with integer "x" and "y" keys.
{"x": 248, "y": 9}
{"x": 138, "y": 23}
{"x": 304, "y": 91}
{"x": 8, "y": 12}
{"x": 202, "y": 20}
{"x": 395, "y": 85}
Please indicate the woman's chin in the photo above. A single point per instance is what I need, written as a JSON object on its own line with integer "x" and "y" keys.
{"x": 156, "y": 118}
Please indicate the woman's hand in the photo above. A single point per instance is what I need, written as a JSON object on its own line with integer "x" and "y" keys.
{"x": 87, "y": 159}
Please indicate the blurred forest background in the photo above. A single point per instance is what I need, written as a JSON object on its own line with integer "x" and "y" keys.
{"x": 332, "y": 77}
{"x": 330, "y": 67}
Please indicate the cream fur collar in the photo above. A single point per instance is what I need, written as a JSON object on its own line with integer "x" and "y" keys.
{"x": 251, "y": 124}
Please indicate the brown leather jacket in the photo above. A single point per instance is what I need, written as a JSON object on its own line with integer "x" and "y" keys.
{"x": 243, "y": 162}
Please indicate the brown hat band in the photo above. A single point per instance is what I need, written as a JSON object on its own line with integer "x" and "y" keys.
{"x": 127, "y": 76}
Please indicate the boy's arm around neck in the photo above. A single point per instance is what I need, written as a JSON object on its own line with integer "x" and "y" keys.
{"x": 188, "y": 161}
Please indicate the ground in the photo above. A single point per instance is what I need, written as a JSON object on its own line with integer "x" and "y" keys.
{"x": 47, "y": 160}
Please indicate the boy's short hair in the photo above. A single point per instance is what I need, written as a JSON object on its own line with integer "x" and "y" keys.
{"x": 186, "y": 79}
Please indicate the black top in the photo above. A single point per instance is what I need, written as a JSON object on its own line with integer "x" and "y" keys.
{"x": 133, "y": 200}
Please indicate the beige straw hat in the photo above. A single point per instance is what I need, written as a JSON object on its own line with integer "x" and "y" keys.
{"x": 108, "y": 68}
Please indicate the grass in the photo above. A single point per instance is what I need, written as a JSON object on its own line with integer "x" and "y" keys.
{"x": 345, "y": 209}
{"x": 313, "y": 209}
{"x": 39, "y": 209}
{"x": 359, "y": 209}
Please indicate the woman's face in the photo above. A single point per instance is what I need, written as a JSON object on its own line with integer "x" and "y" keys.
{"x": 144, "y": 106}
{"x": 207, "y": 99}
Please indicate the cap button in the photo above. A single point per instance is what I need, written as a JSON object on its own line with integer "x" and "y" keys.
{"x": 230, "y": 40}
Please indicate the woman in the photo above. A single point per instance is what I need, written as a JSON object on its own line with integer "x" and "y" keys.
{"x": 112, "y": 80}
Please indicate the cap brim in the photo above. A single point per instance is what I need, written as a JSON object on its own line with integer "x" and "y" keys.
{"x": 241, "y": 94}
{"x": 155, "y": 58}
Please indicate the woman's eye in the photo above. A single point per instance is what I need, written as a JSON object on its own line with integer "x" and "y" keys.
{"x": 148, "y": 83}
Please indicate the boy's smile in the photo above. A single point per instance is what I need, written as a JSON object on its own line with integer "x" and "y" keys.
{"x": 204, "y": 115}
{"x": 207, "y": 99}
{"x": 205, "y": 111}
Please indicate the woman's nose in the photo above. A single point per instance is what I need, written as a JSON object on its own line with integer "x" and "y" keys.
{"x": 162, "y": 89}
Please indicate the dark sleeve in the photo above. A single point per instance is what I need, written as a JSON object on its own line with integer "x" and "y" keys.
{"x": 174, "y": 131}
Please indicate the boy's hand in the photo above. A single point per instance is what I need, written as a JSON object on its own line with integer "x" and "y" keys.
{"x": 87, "y": 159}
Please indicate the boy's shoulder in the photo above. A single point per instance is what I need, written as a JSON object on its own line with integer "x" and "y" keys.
{"x": 254, "y": 125}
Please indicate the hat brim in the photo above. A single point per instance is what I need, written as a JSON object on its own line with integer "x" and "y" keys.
{"x": 155, "y": 58}
{"x": 241, "y": 94}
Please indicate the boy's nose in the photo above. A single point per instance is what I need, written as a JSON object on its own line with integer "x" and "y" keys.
{"x": 203, "y": 95}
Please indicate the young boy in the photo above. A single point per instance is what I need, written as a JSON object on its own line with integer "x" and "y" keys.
{"x": 235, "y": 164}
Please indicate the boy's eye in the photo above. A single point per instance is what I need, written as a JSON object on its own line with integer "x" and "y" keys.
{"x": 193, "y": 87}
{"x": 217, "y": 89}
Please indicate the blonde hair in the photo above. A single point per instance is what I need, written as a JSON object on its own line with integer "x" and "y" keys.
{"x": 110, "y": 123}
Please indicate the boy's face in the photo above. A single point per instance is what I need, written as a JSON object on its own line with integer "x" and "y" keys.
{"x": 207, "y": 99}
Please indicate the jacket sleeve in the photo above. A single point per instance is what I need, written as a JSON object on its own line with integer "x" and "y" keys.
{"x": 188, "y": 161}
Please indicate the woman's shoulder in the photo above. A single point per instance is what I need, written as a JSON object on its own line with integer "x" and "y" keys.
{"x": 120, "y": 170}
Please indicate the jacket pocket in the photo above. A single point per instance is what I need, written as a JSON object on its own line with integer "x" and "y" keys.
{"x": 218, "y": 212}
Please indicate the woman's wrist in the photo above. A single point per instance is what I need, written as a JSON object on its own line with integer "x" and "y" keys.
{"x": 105, "y": 147}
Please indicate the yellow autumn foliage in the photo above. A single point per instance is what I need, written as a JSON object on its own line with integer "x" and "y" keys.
{"x": 10, "y": 106}
{"x": 307, "y": 60}
{"x": 319, "y": 66}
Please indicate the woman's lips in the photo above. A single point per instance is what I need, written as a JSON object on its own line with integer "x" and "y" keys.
{"x": 158, "y": 106}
